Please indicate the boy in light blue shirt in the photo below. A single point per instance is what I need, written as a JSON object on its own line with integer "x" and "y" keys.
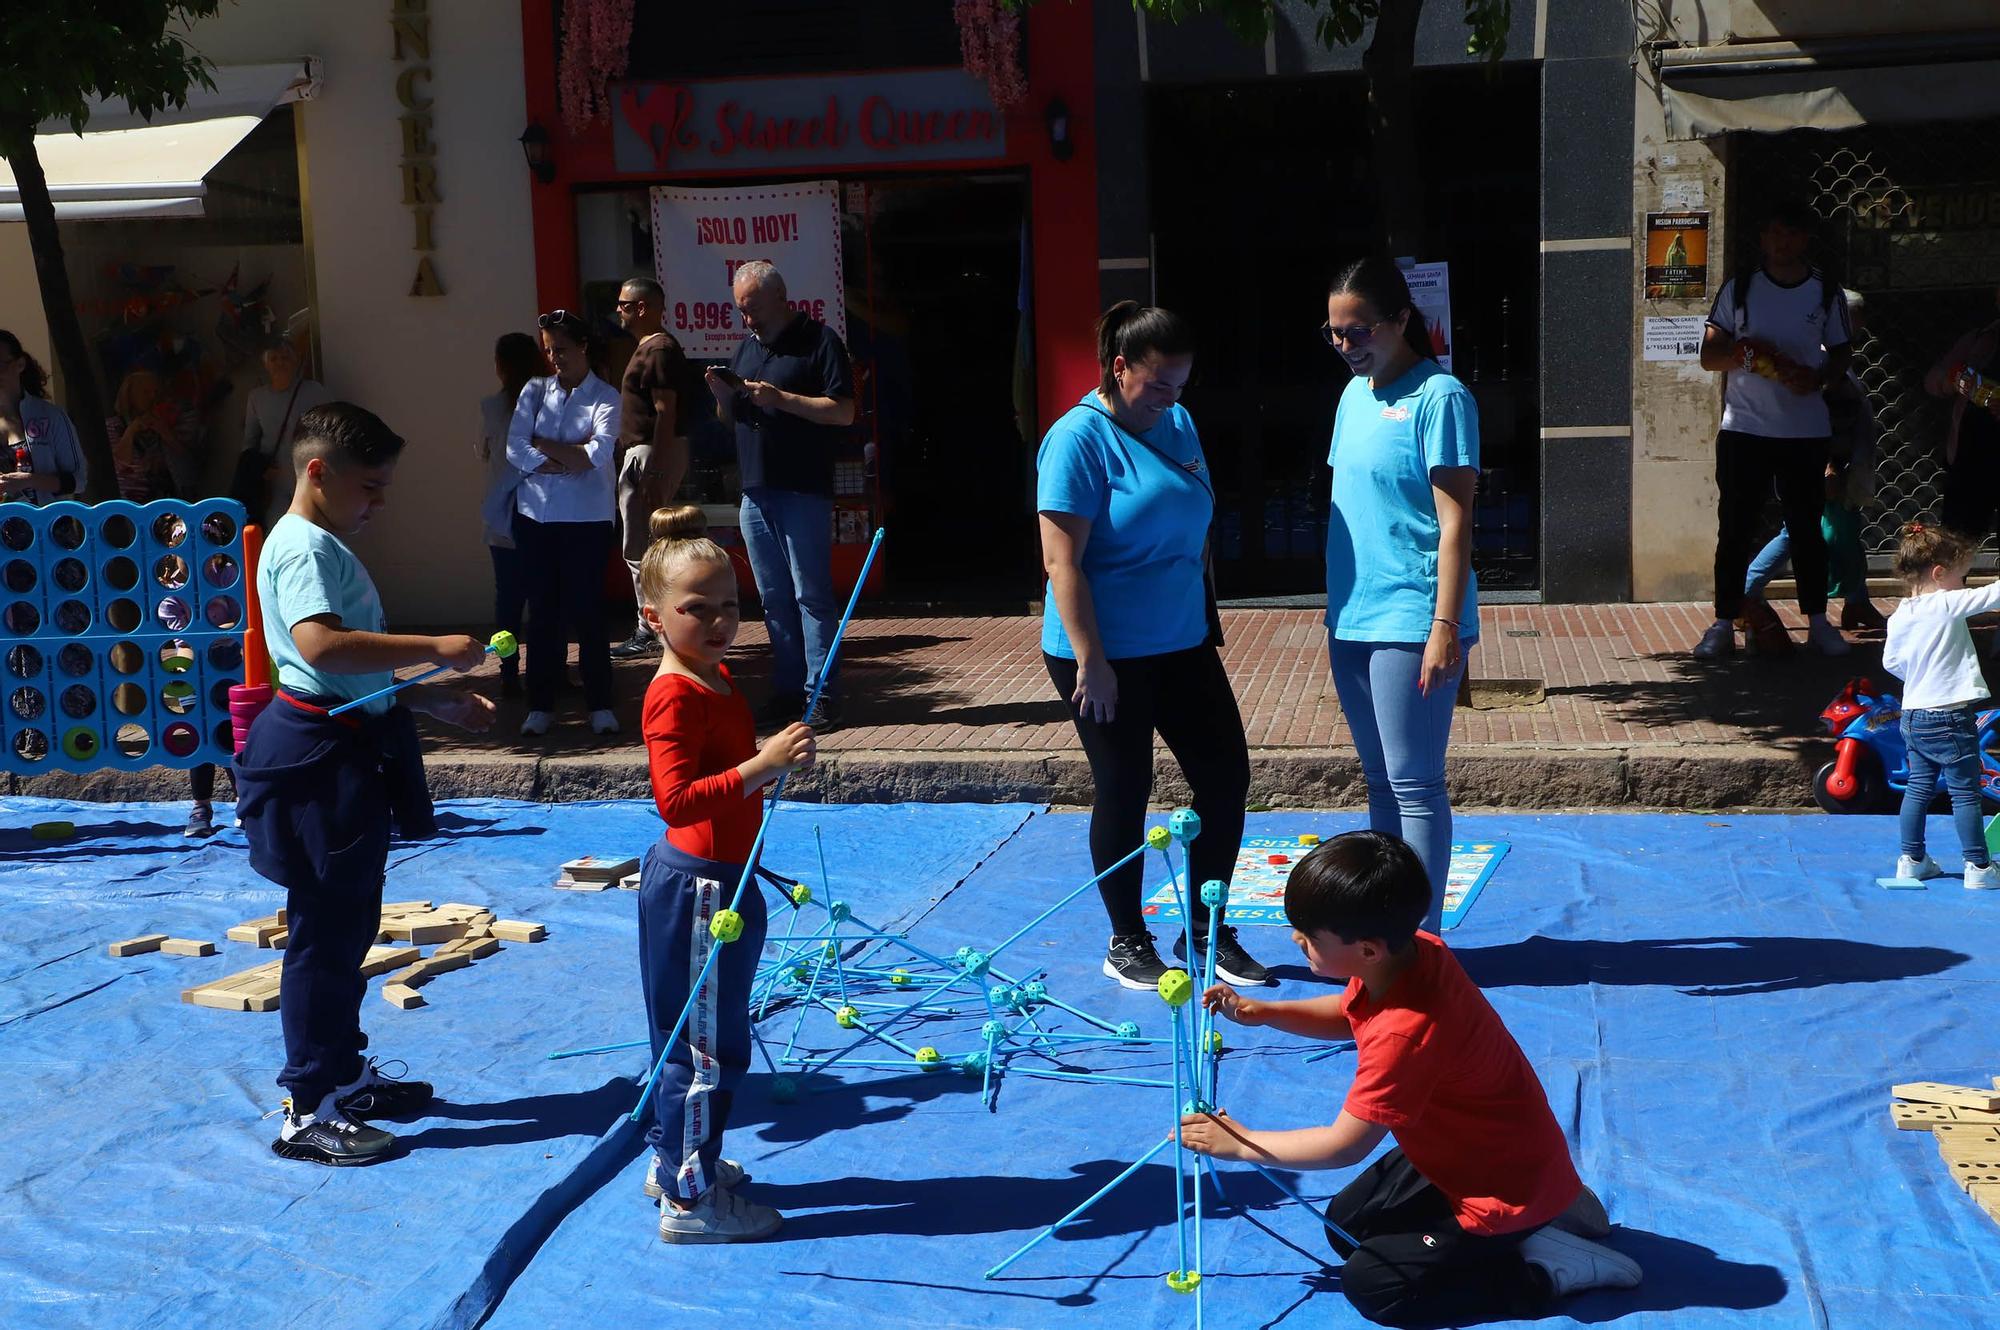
{"x": 316, "y": 792}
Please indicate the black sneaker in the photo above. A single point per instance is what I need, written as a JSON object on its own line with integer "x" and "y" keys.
{"x": 641, "y": 644}
{"x": 1132, "y": 961}
{"x": 375, "y": 1095}
{"x": 331, "y": 1138}
{"x": 780, "y": 711}
{"x": 1231, "y": 961}
{"x": 825, "y": 715}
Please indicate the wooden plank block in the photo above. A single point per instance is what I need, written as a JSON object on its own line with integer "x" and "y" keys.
{"x": 257, "y": 976}
{"x": 567, "y": 883}
{"x": 1967, "y": 1174}
{"x": 518, "y": 930}
{"x": 404, "y": 907}
{"x": 1918, "y": 1117}
{"x": 423, "y": 935}
{"x": 472, "y": 948}
{"x": 255, "y": 931}
{"x": 381, "y": 960}
{"x": 137, "y": 946}
{"x": 436, "y": 964}
{"x": 261, "y": 1002}
{"x": 278, "y": 939}
{"x": 600, "y": 868}
{"x": 402, "y": 996}
{"x": 186, "y": 946}
{"x": 1956, "y": 1096}
{"x": 220, "y": 999}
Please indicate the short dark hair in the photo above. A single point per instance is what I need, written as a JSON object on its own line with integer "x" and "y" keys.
{"x": 345, "y": 435}
{"x": 1363, "y": 884}
{"x": 1136, "y": 331}
{"x": 649, "y": 290}
{"x": 1791, "y": 212}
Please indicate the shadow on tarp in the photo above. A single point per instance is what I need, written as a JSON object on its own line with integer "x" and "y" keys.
{"x": 1701, "y": 966}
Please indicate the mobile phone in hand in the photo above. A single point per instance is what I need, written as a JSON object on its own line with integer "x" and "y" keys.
{"x": 728, "y": 376}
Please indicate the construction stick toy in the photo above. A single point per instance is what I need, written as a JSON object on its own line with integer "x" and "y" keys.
{"x": 502, "y": 645}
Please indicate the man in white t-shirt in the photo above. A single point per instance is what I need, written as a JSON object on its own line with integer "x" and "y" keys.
{"x": 1779, "y": 336}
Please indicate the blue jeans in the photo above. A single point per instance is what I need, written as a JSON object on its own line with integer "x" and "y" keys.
{"x": 1846, "y": 563}
{"x": 789, "y": 538}
{"x": 1400, "y": 736}
{"x": 1943, "y": 743}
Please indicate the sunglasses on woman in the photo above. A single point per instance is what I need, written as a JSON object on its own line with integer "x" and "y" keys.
{"x": 1354, "y": 336}
{"x": 563, "y": 319}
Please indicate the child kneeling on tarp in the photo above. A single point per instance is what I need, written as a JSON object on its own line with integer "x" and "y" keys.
{"x": 1477, "y": 1212}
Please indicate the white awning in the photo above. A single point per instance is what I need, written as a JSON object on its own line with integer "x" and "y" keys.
{"x": 1774, "y": 87}
{"x": 122, "y": 166}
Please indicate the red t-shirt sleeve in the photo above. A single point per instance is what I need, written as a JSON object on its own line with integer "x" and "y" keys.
{"x": 1394, "y": 1076}
{"x": 674, "y": 727}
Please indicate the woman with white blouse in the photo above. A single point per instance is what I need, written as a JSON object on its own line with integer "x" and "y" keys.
{"x": 562, "y": 440}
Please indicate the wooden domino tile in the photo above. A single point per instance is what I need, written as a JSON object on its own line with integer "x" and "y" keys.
{"x": 1918, "y": 1117}
{"x": 1956, "y": 1096}
{"x": 1968, "y": 1175}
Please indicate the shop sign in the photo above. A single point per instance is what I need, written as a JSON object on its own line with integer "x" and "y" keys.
{"x": 410, "y": 22}
{"x": 1676, "y": 255}
{"x": 838, "y": 120}
{"x": 1430, "y": 297}
{"x": 702, "y": 236}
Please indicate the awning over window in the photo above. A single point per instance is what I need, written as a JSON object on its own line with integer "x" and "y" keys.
{"x": 123, "y": 166}
{"x": 1773, "y": 87}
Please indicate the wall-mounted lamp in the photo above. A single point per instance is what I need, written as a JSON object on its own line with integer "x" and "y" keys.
{"x": 1061, "y": 146}
{"x": 535, "y": 147}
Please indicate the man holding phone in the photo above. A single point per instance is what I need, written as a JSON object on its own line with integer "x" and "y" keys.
{"x": 788, "y": 393}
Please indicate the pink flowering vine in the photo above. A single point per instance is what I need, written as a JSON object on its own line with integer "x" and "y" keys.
{"x": 596, "y": 42}
{"x": 989, "y": 37}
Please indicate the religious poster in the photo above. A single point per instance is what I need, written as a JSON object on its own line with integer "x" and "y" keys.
{"x": 1676, "y": 256}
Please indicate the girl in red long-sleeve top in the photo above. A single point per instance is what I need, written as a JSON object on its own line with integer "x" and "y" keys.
{"x": 707, "y": 770}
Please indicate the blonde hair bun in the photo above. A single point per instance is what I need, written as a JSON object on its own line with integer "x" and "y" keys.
{"x": 684, "y": 521}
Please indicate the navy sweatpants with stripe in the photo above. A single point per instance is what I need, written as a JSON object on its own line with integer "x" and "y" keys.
{"x": 678, "y": 895}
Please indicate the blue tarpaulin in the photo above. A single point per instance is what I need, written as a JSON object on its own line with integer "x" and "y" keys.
{"x": 1717, "y": 1007}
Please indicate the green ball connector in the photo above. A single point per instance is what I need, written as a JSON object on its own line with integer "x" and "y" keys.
{"x": 1215, "y": 1041}
{"x": 928, "y": 1057}
{"x": 801, "y": 895}
{"x": 727, "y": 926}
{"x": 1176, "y": 988}
{"x": 846, "y": 1017}
{"x": 900, "y": 979}
{"x": 1183, "y": 1281}
{"x": 503, "y": 644}
{"x": 1158, "y": 838}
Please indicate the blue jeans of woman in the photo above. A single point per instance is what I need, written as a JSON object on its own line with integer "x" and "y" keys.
{"x": 1400, "y": 736}
{"x": 1943, "y": 743}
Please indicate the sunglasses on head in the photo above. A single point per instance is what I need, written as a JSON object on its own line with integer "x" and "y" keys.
{"x": 564, "y": 319}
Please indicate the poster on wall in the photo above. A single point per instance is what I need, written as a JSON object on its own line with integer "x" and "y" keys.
{"x": 702, "y": 236}
{"x": 1676, "y": 256}
{"x": 1430, "y": 296}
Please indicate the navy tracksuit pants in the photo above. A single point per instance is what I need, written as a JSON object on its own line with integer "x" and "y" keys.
{"x": 678, "y": 895}
{"x": 315, "y": 805}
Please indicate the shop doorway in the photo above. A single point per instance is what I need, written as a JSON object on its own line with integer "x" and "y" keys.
{"x": 941, "y": 333}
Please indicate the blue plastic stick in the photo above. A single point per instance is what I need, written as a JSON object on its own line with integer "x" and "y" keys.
{"x": 840, "y": 971}
{"x": 1325, "y": 1053}
{"x": 1205, "y": 1022}
{"x": 1095, "y": 1078}
{"x": 1096, "y": 1196}
{"x": 986, "y": 1077}
{"x": 763, "y": 829}
{"x": 1180, "y": 1151}
{"x": 1034, "y": 923}
{"x": 396, "y": 687}
{"x": 1332, "y": 1227}
{"x": 601, "y": 1048}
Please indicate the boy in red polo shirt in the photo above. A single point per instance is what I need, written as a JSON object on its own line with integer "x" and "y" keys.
{"x": 1477, "y": 1212}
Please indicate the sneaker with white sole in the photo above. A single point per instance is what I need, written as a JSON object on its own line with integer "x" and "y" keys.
{"x": 728, "y": 1174}
{"x": 1917, "y": 870}
{"x": 375, "y": 1094}
{"x": 719, "y": 1216}
{"x": 1982, "y": 879}
{"x": 1824, "y": 638}
{"x": 200, "y": 821}
{"x": 1585, "y": 1217}
{"x": 1575, "y": 1264}
{"x": 1131, "y": 960}
{"x": 1717, "y": 642}
{"x": 329, "y": 1136}
{"x": 536, "y": 723}
{"x": 603, "y": 722}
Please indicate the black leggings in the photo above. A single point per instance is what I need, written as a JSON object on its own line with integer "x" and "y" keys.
{"x": 1746, "y": 467}
{"x": 565, "y": 565}
{"x": 1185, "y": 696}
{"x": 1415, "y": 1265}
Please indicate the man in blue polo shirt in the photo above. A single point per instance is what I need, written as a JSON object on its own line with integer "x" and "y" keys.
{"x": 790, "y": 415}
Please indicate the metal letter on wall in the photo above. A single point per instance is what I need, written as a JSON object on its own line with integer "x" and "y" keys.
{"x": 410, "y": 29}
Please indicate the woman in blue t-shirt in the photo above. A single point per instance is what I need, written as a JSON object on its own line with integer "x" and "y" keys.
{"x": 1126, "y": 501}
{"x": 1401, "y": 606}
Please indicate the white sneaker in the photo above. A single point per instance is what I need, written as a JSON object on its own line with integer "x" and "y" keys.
{"x": 1717, "y": 642}
{"x": 1575, "y": 1264}
{"x": 1824, "y": 638}
{"x": 1917, "y": 870}
{"x": 1982, "y": 879}
{"x": 603, "y": 722}
{"x": 728, "y": 1174}
{"x": 719, "y": 1216}
{"x": 537, "y": 723}
{"x": 1585, "y": 1217}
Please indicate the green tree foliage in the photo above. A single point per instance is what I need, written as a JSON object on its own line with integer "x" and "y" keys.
{"x": 56, "y": 57}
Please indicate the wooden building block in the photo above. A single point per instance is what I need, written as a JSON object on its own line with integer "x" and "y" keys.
{"x": 137, "y": 946}
{"x": 185, "y": 946}
{"x": 424, "y": 935}
{"x": 277, "y": 940}
{"x": 402, "y": 996}
{"x": 257, "y": 932}
{"x": 1957, "y": 1096}
{"x": 564, "y": 882}
{"x": 443, "y": 963}
{"x": 1967, "y": 1174}
{"x": 518, "y": 930}
{"x": 472, "y": 948}
{"x": 381, "y": 960}
{"x": 261, "y": 1002}
{"x": 220, "y": 999}
{"x": 404, "y": 907}
{"x": 1918, "y": 1117}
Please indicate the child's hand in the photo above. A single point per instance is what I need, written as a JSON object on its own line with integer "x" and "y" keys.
{"x": 1215, "y": 1134}
{"x": 790, "y": 748}
{"x": 1232, "y": 1004}
{"x": 458, "y": 651}
{"x": 468, "y": 711}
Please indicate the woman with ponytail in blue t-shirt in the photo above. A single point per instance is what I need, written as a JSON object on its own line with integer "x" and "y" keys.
{"x": 1401, "y": 605}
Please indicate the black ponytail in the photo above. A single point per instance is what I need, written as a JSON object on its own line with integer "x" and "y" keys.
{"x": 1136, "y": 331}
{"x": 1377, "y": 280}
{"x": 34, "y": 379}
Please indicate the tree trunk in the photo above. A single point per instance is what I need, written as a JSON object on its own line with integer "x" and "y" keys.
{"x": 82, "y": 397}
{"x": 1392, "y": 128}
